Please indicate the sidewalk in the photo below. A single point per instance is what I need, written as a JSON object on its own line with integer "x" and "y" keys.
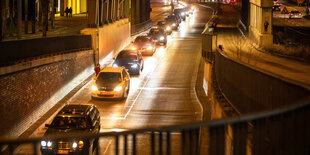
{"x": 241, "y": 49}
{"x": 63, "y": 26}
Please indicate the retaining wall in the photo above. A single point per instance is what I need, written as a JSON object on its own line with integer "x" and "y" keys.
{"x": 25, "y": 95}
{"x": 252, "y": 90}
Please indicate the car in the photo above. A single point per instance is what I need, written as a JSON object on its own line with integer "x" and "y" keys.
{"x": 131, "y": 60}
{"x": 144, "y": 44}
{"x": 295, "y": 14}
{"x": 176, "y": 17}
{"x": 164, "y": 25}
{"x": 172, "y": 22}
{"x": 111, "y": 83}
{"x": 72, "y": 119}
{"x": 181, "y": 13}
{"x": 276, "y": 8}
{"x": 158, "y": 35}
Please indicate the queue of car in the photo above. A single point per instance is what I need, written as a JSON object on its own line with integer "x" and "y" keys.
{"x": 110, "y": 83}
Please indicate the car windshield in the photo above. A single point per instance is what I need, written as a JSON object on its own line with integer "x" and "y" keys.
{"x": 142, "y": 40}
{"x": 69, "y": 122}
{"x": 111, "y": 77}
{"x": 127, "y": 55}
{"x": 161, "y": 23}
{"x": 154, "y": 32}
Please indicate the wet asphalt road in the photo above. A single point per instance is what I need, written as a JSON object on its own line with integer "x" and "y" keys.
{"x": 163, "y": 94}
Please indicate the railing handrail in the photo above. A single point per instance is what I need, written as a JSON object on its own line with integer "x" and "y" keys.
{"x": 246, "y": 118}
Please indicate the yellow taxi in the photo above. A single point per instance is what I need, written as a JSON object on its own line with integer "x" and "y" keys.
{"x": 111, "y": 82}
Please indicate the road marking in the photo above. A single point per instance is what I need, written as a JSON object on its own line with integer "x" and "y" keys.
{"x": 106, "y": 150}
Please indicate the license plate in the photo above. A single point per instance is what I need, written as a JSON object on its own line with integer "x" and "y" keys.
{"x": 62, "y": 151}
{"x": 105, "y": 93}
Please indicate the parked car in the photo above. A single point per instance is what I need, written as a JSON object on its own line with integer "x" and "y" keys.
{"x": 131, "y": 60}
{"x": 295, "y": 14}
{"x": 111, "y": 82}
{"x": 158, "y": 35}
{"x": 72, "y": 119}
{"x": 166, "y": 26}
{"x": 144, "y": 44}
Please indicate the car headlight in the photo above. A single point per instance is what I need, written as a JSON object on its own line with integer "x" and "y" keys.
{"x": 94, "y": 88}
{"x": 168, "y": 28}
{"x": 161, "y": 38}
{"x": 133, "y": 48}
{"x": 118, "y": 88}
{"x": 115, "y": 65}
{"x": 49, "y": 144}
{"x": 43, "y": 143}
{"x": 149, "y": 48}
{"x": 134, "y": 66}
{"x": 173, "y": 24}
{"x": 74, "y": 145}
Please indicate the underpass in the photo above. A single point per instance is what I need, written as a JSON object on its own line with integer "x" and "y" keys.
{"x": 164, "y": 91}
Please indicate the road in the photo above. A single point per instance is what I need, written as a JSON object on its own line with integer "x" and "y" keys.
{"x": 163, "y": 94}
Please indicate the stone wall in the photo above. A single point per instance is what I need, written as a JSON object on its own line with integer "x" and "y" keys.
{"x": 25, "y": 91}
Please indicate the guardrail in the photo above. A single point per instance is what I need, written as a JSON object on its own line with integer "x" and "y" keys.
{"x": 282, "y": 131}
{"x": 18, "y": 50}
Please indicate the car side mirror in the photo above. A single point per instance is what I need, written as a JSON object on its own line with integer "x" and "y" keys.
{"x": 94, "y": 78}
{"x": 131, "y": 41}
{"x": 127, "y": 70}
{"x": 113, "y": 58}
{"x": 126, "y": 78}
{"x": 47, "y": 125}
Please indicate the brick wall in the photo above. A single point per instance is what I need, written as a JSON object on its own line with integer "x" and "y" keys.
{"x": 23, "y": 91}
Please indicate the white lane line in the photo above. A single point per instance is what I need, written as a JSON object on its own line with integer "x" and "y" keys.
{"x": 106, "y": 150}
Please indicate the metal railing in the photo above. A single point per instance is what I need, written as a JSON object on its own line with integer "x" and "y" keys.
{"x": 282, "y": 131}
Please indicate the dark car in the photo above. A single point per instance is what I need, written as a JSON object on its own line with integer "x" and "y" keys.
{"x": 176, "y": 17}
{"x": 72, "y": 119}
{"x": 144, "y": 44}
{"x": 131, "y": 60}
{"x": 295, "y": 14}
{"x": 276, "y": 8}
{"x": 181, "y": 13}
{"x": 173, "y": 22}
{"x": 158, "y": 35}
{"x": 164, "y": 25}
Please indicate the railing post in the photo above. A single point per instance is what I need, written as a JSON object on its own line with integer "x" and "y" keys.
{"x": 160, "y": 141}
{"x": 217, "y": 140}
{"x": 134, "y": 148}
{"x": 239, "y": 138}
{"x": 168, "y": 143}
{"x": 116, "y": 145}
{"x": 125, "y": 144}
{"x": 153, "y": 143}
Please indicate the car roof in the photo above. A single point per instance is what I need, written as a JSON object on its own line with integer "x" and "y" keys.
{"x": 112, "y": 69}
{"x": 75, "y": 109}
{"x": 143, "y": 37}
